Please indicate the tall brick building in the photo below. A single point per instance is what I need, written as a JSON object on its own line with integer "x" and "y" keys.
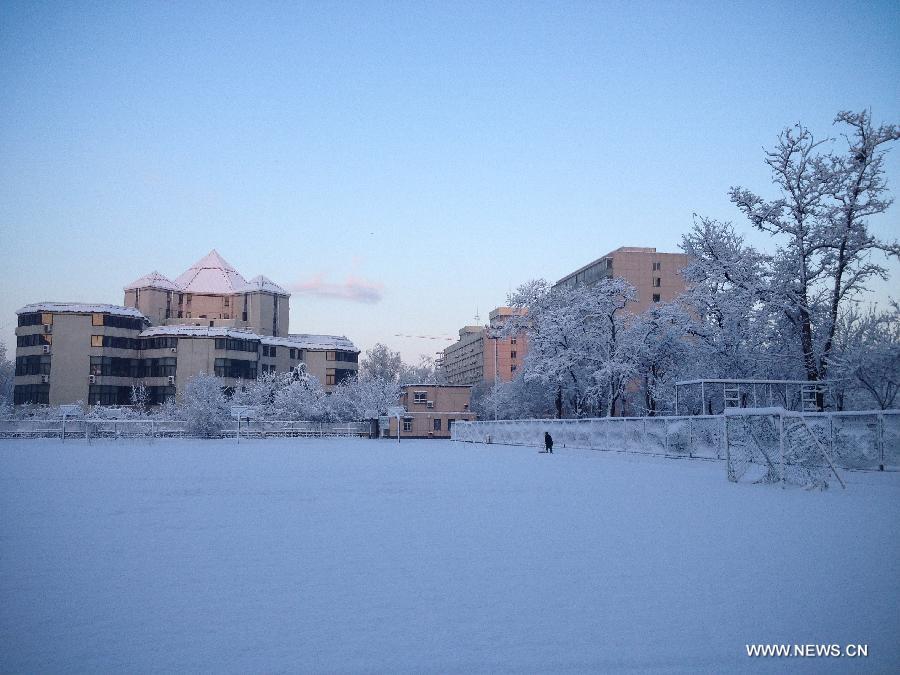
{"x": 656, "y": 276}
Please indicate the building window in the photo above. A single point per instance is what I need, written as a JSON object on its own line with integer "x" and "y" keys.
{"x": 47, "y": 319}
{"x": 407, "y": 424}
{"x": 437, "y": 423}
{"x": 656, "y": 267}
{"x": 450, "y": 424}
{"x": 657, "y": 282}
{"x": 96, "y": 319}
{"x": 512, "y": 341}
{"x": 656, "y": 297}
{"x": 512, "y": 368}
{"x": 420, "y": 397}
{"x": 293, "y": 353}
{"x": 329, "y": 376}
{"x": 512, "y": 354}
{"x": 227, "y": 301}
{"x": 330, "y": 356}
{"x": 96, "y": 340}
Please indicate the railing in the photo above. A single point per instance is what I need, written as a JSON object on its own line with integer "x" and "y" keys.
{"x": 855, "y": 440}
{"x": 155, "y": 428}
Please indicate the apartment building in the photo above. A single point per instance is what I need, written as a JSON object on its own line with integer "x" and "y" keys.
{"x": 431, "y": 410}
{"x": 656, "y": 276}
{"x": 212, "y": 293}
{"x": 208, "y": 320}
{"x": 481, "y": 355}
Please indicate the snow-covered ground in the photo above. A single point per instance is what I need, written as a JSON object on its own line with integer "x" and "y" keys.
{"x": 356, "y": 555}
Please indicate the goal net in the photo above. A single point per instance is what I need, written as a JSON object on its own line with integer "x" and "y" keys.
{"x": 774, "y": 445}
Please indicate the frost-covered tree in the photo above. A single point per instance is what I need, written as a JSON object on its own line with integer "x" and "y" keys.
{"x": 728, "y": 313}
{"x": 260, "y": 394}
{"x": 577, "y": 346}
{"x": 7, "y": 375}
{"x": 301, "y": 397}
{"x": 140, "y": 398}
{"x": 425, "y": 372}
{"x": 516, "y": 399}
{"x": 663, "y": 351}
{"x": 380, "y": 363}
{"x": 867, "y": 361}
{"x": 204, "y": 406}
{"x": 819, "y": 220}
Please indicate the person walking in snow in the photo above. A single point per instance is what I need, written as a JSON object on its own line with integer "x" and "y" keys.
{"x": 548, "y": 442}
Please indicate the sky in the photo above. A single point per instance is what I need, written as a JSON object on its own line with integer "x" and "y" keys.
{"x": 402, "y": 166}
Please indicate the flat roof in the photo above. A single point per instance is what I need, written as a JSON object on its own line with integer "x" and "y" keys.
{"x": 80, "y": 308}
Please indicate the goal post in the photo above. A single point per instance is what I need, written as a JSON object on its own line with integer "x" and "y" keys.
{"x": 774, "y": 445}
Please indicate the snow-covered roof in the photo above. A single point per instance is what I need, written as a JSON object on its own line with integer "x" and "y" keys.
{"x": 154, "y": 280}
{"x": 312, "y": 342}
{"x": 211, "y": 274}
{"x": 263, "y": 283}
{"x": 80, "y": 308}
{"x": 185, "y": 330}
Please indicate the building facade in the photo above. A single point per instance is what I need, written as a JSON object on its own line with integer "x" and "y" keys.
{"x": 481, "y": 355}
{"x": 656, "y": 276}
{"x": 208, "y": 320}
{"x": 431, "y": 410}
{"x": 212, "y": 293}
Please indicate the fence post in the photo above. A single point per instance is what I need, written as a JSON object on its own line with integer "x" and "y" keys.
{"x": 723, "y": 438}
{"x": 781, "y": 446}
{"x": 729, "y": 474}
{"x": 831, "y": 434}
{"x": 691, "y": 437}
{"x": 879, "y": 425}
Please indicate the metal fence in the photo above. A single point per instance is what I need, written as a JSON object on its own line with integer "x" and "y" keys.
{"x": 154, "y": 428}
{"x": 856, "y": 440}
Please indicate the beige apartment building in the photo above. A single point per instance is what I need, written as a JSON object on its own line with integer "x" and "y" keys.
{"x": 212, "y": 293}
{"x": 656, "y": 276}
{"x": 208, "y": 320}
{"x": 431, "y": 410}
{"x": 480, "y": 355}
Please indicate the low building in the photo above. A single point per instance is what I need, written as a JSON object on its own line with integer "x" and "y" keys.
{"x": 481, "y": 355}
{"x": 67, "y": 353}
{"x": 656, "y": 276}
{"x": 431, "y": 410}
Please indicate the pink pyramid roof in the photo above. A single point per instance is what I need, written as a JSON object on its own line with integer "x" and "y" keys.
{"x": 211, "y": 274}
{"x": 264, "y": 283}
{"x": 153, "y": 280}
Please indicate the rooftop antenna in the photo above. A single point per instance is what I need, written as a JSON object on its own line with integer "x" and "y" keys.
{"x": 477, "y": 315}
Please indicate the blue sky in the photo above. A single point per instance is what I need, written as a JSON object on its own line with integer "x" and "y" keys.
{"x": 433, "y": 155}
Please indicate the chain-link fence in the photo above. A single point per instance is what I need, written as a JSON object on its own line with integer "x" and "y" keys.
{"x": 854, "y": 440}
{"x": 155, "y": 428}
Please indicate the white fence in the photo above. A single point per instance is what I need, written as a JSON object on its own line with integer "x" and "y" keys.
{"x": 855, "y": 440}
{"x": 154, "y": 428}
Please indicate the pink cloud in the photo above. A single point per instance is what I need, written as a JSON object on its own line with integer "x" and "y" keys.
{"x": 354, "y": 289}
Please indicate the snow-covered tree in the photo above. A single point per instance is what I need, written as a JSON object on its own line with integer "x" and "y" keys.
{"x": 425, "y": 372}
{"x": 380, "y": 363}
{"x": 7, "y": 375}
{"x": 140, "y": 398}
{"x": 867, "y": 361}
{"x": 577, "y": 345}
{"x": 820, "y": 222}
{"x": 301, "y": 397}
{"x": 204, "y": 406}
{"x": 727, "y": 303}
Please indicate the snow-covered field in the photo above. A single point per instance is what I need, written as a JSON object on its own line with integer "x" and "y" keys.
{"x": 356, "y": 555}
